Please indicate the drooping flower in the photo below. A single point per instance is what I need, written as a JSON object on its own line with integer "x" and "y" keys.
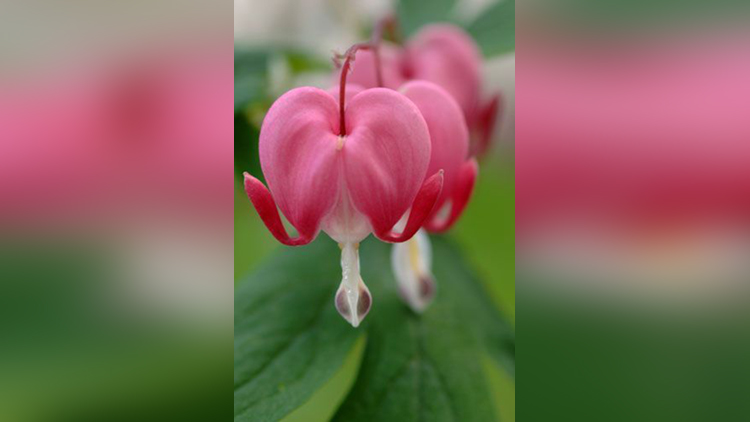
{"x": 350, "y": 167}
{"x": 411, "y": 260}
{"x": 445, "y": 55}
{"x": 449, "y": 151}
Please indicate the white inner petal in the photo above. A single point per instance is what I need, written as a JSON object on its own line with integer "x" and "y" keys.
{"x": 352, "y": 298}
{"x": 344, "y": 223}
{"x": 412, "y": 266}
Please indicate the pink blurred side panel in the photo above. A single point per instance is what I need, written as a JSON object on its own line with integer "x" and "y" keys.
{"x": 124, "y": 136}
{"x": 636, "y": 132}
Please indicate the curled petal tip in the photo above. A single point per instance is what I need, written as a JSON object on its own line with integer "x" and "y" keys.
{"x": 266, "y": 207}
{"x": 459, "y": 198}
{"x": 421, "y": 208}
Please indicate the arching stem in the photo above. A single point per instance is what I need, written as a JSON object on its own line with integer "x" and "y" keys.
{"x": 389, "y": 23}
{"x": 348, "y": 58}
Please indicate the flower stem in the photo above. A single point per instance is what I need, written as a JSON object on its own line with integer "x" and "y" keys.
{"x": 387, "y": 23}
{"x": 348, "y": 58}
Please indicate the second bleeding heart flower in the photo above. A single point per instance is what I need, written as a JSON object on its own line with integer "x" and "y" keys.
{"x": 445, "y": 55}
{"x": 411, "y": 260}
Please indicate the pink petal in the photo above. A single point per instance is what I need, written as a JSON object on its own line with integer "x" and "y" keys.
{"x": 386, "y": 154}
{"x": 459, "y": 197}
{"x": 446, "y": 55}
{"x": 298, "y": 146}
{"x": 423, "y": 206}
{"x": 449, "y": 135}
{"x": 266, "y": 207}
{"x": 363, "y": 70}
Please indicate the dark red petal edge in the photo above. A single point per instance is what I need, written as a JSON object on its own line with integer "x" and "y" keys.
{"x": 486, "y": 122}
{"x": 420, "y": 210}
{"x": 460, "y": 196}
{"x": 266, "y": 208}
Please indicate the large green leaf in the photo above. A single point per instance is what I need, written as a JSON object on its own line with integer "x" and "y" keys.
{"x": 486, "y": 230}
{"x": 495, "y": 29}
{"x": 427, "y": 367}
{"x": 289, "y": 339}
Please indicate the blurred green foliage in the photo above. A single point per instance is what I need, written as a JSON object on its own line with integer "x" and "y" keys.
{"x": 487, "y": 230}
{"x": 250, "y": 77}
{"x": 413, "y": 14}
{"x": 602, "y": 359}
{"x": 495, "y": 29}
{"x": 594, "y": 20}
{"x": 73, "y": 349}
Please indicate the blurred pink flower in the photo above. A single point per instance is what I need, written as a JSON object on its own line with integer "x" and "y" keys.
{"x": 447, "y": 56}
{"x": 646, "y": 133}
{"x": 132, "y": 137}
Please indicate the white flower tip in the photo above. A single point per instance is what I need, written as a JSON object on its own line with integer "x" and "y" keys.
{"x": 420, "y": 298}
{"x": 353, "y": 304}
{"x": 412, "y": 262}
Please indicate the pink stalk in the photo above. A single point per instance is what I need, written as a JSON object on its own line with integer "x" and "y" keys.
{"x": 348, "y": 58}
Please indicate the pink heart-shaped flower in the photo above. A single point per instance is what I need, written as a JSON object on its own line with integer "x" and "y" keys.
{"x": 449, "y": 138}
{"x": 346, "y": 170}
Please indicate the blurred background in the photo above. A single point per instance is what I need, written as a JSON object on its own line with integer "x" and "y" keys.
{"x": 289, "y": 43}
{"x": 633, "y": 210}
{"x": 115, "y": 210}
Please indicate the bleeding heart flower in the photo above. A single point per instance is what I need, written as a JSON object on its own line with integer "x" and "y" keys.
{"x": 445, "y": 55}
{"x": 449, "y": 137}
{"x": 347, "y": 167}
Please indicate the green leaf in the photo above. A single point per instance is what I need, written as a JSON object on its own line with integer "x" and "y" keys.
{"x": 491, "y": 251}
{"x": 323, "y": 404}
{"x": 503, "y": 388}
{"x": 495, "y": 29}
{"x": 414, "y": 14}
{"x": 289, "y": 339}
{"x": 250, "y": 80}
{"x": 427, "y": 367}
